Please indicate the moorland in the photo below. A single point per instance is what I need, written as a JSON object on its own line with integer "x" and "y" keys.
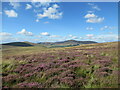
{"x": 60, "y": 65}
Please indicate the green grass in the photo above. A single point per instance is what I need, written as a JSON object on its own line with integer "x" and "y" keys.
{"x": 86, "y": 72}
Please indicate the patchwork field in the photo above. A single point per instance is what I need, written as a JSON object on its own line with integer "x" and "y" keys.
{"x": 84, "y": 66}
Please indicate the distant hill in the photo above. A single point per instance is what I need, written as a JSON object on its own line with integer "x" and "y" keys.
{"x": 67, "y": 43}
{"x": 75, "y": 42}
{"x": 21, "y": 44}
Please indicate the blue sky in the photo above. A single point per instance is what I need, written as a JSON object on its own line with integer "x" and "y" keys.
{"x": 51, "y": 22}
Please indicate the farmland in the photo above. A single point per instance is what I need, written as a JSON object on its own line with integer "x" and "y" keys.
{"x": 83, "y": 66}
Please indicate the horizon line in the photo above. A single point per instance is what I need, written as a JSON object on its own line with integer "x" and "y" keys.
{"x": 56, "y": 41}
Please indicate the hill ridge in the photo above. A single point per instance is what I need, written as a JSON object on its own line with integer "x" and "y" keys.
{"x": 66, "y": 43}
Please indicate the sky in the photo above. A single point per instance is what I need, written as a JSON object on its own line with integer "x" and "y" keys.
{"x": 59, "y": 21}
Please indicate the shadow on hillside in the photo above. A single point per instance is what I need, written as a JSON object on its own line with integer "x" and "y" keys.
{"x": 21, "y": 44}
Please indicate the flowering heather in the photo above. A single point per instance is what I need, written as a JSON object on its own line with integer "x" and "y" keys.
{"x": 29, "y": 85}
{"x": 29, "y": 74}
{"x": 10, "y": 78}
{"x": 67, "y": 80}
{"x": 92, "y": 66}
{"x": 64, "y": 60}
{"x": 41, "y": 67}
{"x": 104, "y": 74}
{"x": 105, "y": 62}
{"x": 105, "y": 69}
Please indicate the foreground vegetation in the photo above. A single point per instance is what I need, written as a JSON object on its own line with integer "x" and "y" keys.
{"x": 84, "y": 66}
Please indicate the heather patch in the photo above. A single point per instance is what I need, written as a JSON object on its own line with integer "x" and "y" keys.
{"x": 73, "y": 67}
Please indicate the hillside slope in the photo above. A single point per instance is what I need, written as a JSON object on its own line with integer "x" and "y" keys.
{"x": 67, "y": 43}
{"x": 22, "y": 44}
{"x": 84, "y": 66}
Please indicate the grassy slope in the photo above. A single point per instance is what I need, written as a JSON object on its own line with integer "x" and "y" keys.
{"x": 87, "y": 75}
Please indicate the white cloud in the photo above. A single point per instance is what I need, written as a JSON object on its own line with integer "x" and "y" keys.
{"x": 73, "y": 37}
{"x": 107, "y": 37}
{"x": 7, "y": 39}
{"x": 90, "y": 15}
{"x": 103, "y": 28}
{"x": 90, "y": 4}
{"x": 95, "y": 20}
{"x": 101, "y": 37}
{"x": 28, "y": 6}
{"x": 5, "y": 34}
{"x": 45, "y": 1}
{"x": 39, "y": 3}
{"x": 107, "y": 27}
{"x": 51, "y": 13}
{"x": 24, "y": 32}
{"x": 11, "y": 13}
{"x": 89, "y": 35}
{"x": 96, "y": 8}
{"x": 45, "y": 33}
{"x": 15, "y": 5}
{"x": 92, "y": 18}
{"x": 70, "y": 35}
{"x": 89, "y": 28}
{"x": 37, "y": 20}
{"x": 0, "y": 13}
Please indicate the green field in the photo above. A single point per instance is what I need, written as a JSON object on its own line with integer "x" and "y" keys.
{"x": 83, "y": 66}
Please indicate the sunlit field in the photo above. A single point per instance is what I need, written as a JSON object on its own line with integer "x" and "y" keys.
{"x": 84, "y": 66}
